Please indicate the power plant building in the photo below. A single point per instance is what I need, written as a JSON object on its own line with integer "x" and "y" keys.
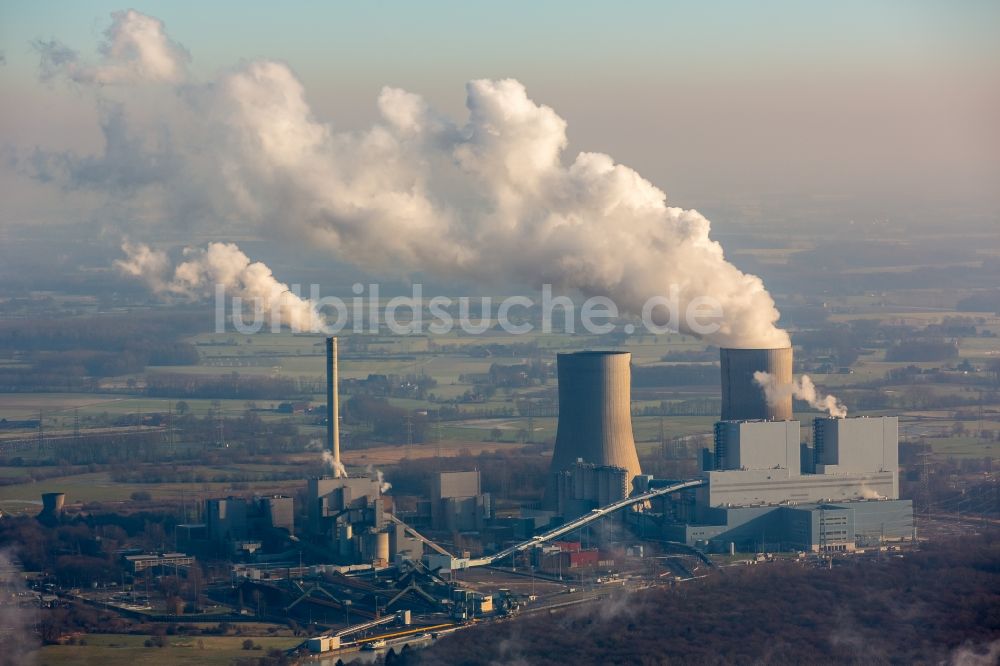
{"x": 758, "y": 497}
{"x": 226, "y": 519}
{"x": 347, "y": 516}
{"x": 857, "y": 445}
{"x": 276, "y": 512}
{"x": 457, "y": 502}
{"x": 595, "y": 417}
{"x": 240, "y": 524}
{"x": 758, "y": 445}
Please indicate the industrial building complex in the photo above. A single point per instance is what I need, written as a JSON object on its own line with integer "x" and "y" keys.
{"x": 767, "y": 490}
{"x": 763, "y": 487}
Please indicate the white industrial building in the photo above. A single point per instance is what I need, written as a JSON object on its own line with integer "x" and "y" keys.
{"x": 761, "y": 493}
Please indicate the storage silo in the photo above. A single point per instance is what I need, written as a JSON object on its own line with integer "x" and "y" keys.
{"x": 595, "y": 417}
{"x": 742, "y": 397}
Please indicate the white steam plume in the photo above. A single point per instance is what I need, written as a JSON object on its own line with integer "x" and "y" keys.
{"x": 334, "y": 465}
{"x": 18, "y": 614}
{"x": 803, "y": 389}
{"x": 225, "y": 265}
{"x": 870, "y": 493}
{"x": 492, "y": 198}
{"x": 383, "y": 485}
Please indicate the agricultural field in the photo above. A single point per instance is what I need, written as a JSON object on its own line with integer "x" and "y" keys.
{"x": 129, "y": 650}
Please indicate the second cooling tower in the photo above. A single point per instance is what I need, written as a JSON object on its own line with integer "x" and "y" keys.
{"x": 595, "y": 417}
{"x": 742, "y": 397}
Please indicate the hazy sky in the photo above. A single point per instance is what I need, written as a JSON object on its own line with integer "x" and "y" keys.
{"x": 892, "y": 104}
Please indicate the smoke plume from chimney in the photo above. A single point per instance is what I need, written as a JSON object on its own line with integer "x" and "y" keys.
{"x": 219, "y": 265}
{"x": 491, "y": 198}
{"x": 802, "y": 389}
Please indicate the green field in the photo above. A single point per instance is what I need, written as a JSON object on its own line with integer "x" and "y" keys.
{"x": 128, "y": 650}
{"x": 99, "y": 487}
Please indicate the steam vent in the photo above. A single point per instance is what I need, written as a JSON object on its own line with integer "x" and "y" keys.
{"x": 742, "y": 398}
{"x": 595, "y": 417}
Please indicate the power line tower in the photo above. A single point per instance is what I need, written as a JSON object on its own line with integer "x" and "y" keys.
{"x": 925, "y": 480}
{"x": 222, "y": 427}
{"x": 531, "y": 422}
{"x": 409, "y": 433}
{"x": 170, "y": 427}
{"x": 437, "y": 438}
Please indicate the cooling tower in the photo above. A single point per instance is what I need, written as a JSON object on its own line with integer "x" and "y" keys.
{"x": 742, "y": 397}
{"x": 595, "y": 418}
{"x": 52, "y": 503}
{"x": 52, "y": 507}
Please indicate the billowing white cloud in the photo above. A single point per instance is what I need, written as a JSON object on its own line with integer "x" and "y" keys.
{"x": 136, "y": 49}
{"x": 492, "y": 198}
{"x": 225, "y": 266}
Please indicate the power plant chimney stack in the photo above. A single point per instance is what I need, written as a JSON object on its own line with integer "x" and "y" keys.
{"x": 333, "y": 405}
{"x": 595, "y": 414}
{"x": 743, "y": 398}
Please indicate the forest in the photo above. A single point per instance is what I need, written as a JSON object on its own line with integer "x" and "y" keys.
{"x": 923, "y": 608}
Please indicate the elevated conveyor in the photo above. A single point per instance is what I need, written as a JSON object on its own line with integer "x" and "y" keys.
{"x": 583, "y": 521}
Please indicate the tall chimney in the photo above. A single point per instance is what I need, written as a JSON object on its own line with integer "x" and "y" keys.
{"x": 742, "y": 398}
{"x": 333, "y": 405}
{"x": 595, "y": 414}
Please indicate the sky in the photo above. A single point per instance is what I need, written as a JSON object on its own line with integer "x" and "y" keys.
{"x": 886, "y": 107}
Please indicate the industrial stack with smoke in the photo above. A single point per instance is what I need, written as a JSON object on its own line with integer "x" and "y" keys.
{"x": 811, "y": 497}
{"x": 758, "y": 467}
{"x": 505, "y": 204}
{"x": 347, "y": 516}
{"x": 333, "y": 409}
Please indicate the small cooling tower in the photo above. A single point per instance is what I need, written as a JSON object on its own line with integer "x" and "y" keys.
{"x": 52, "y": 503}
{"x": 52, "y": 507}
{"x": 595, "y": 417}
{"x": 743, "y": 398}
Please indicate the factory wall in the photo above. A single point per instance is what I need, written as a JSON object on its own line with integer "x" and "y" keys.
{"x": 278, "y": 512}
{"x": 328, "y": 497}
{"x": 455, "y": 484}
{"x": 403, "y": 546}
{"x": 758, "y": 445}
{"x": 857, "y": 444}
{"x": 776, "y": 486}
{"x": 457, "y": 505}
{"x": 838, "y": 526}
{"x": 226, "y": 519}
{"x": 816, "y": 527}
{"x": 889, "y": 520}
